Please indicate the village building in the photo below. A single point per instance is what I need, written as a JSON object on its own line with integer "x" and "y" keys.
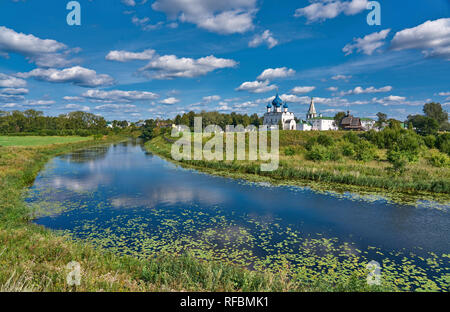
{"x": 368, "y": 124}
{"x": 315, "y": 121}
{"x": 349, "y": 122}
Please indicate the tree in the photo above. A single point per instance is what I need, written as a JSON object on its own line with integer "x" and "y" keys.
{"x": 424, "y": 125}
{"x": 382, "y": 118}
{"x": 435, "y": 111}
{"x": 148, "y": 130}
{"x": 338, "y": 119}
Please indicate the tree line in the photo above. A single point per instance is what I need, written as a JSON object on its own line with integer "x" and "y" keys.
{"x": 34, "y": 122}
{"x": 152, "y": 127}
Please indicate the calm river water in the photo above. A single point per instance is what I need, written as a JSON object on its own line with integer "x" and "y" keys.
{"x": 121, "y": 197}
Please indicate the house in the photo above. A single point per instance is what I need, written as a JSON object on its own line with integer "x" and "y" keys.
{"x": 304, "y": 126}
{"x": 349, "y": 122}
{"x": 367, "y": 123}
{"x": 317, "y": 122}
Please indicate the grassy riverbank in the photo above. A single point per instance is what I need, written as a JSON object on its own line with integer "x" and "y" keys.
{"x": 33, "y": 258}
{"x": 419, "y": 180}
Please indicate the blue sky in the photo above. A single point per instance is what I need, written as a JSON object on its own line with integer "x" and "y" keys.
{"x": 138, "y": 59}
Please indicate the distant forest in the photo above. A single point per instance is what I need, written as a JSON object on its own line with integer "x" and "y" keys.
{"x": 34, "y": 122}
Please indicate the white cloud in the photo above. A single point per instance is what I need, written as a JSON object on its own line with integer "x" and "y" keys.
{"x": 224, "y": 17}
{"x": 170, "y": 66}
{"x": 43, "y": 52}
{"x": 14, "y": 91}
{"x": 273, "y": 73}
{"x": 332, "y": 89}
{"x": 77, "y": 107}
{"x": 341, "y": 77}
{"x": 170, "y": 101}
{"x": 256, "y": 86}
{"x": 11, "y": 82}
{"x": 119, "y": 96}
{"x": 125, "y": 56}
{"x": 361, "y": 90}
{"x": 211, "y": 98}
{"x": 444, "y": 93}
{"x": 140, "y": 21}
{"x": 393, "y": 100}
{"x": 44, "y": 103}
{"x": 266, "y": 37}
{"x": 77, "y": 75}
{"x": 367, "y": 44}
{"x": 129, "y": 2}
{"x": 321, "y": 10}
{"x": 125, "y": 108}
{"x": 300, "y": 90}
{"x": 73, "y": 98}
{"x": 432, "y": 38}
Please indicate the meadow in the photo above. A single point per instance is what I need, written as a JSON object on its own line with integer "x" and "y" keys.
{"x": 33, "y": 258}
{"x": 340, "y": 166}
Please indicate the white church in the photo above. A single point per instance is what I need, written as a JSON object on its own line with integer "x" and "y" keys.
{"x": 278, "y": 111}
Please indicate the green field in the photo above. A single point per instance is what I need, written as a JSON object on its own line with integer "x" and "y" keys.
{"x": 40, "y": 140}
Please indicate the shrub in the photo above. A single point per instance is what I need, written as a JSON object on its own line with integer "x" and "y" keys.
{"x": 317, "y": 153}
{"x": 443, "y": 143}
{"x": 321, "y": 153}
{"x": 321, "y": 139}
{"x": 325, "y": 140}
{"x": 430, "y": 141}
{"x": 348, "y": 149}
{"x": 365, "y": 151}
{"x": 334, "y": 153}
{"x": 398, "y": 160}
{"x": 439, "y": 160}
{"x": 289, "y": 151}
{"x": 351, "y": 137}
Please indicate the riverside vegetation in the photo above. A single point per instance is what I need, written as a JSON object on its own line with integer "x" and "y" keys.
{"x": 33, "y": 258}
{"x": 394, "y": 161}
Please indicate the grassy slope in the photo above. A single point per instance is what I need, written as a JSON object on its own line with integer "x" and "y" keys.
{"x": 34, "y": 258}
{"x": 343, "y": 175}
{"x": 39, "y": 140}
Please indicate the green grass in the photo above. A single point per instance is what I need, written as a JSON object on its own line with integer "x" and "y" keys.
{"x": 419, "y": 181}
{"x": 40, "y": 140}
{"x": 33, "y": 258}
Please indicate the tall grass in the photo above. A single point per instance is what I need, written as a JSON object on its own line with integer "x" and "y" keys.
{"x": 419, "y": 178}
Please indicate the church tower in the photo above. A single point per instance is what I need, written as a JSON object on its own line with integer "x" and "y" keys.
{"x": 312, "y": 111}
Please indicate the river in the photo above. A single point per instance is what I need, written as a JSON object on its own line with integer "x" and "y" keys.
{"x": 123, "y": 198}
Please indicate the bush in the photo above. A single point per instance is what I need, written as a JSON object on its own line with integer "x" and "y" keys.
{"x": 439, "y": 160}
{"x": 317, "y": 153}
{"x": 321, "y": 139}
{"x": 325, "y": 140}
{"x": 289, "y": 151}
{"x": 430, "y": 141}
{"x": 365, "y": 151}
{"x": 321, "y": 153}
{"x": 398, "y": 160}
{"x": 334, "y": 153}
{"x": 348, "y": 149}
{"x": 443, "y": 143}
{"x": 351, "y": 137}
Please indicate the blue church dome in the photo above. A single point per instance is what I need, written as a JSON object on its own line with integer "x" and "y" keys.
{"x": 269, "y": 105}
{"x": 285, "y": 105}
{"x": 277, "y": 102}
